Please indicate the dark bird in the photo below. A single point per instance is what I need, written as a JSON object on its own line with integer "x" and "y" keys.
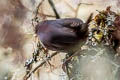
{"x": 64, "y": 35}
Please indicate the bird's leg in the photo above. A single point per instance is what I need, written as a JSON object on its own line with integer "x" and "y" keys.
{"x": 51, "y": 65}
{"x": 66, "y": 65}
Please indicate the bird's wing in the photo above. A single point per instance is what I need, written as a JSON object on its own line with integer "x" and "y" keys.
{"x": 72, "y": 22}
{"x": 64, "y": 39}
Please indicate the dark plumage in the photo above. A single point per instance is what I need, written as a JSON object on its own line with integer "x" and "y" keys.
{"x": 62, "y": 34}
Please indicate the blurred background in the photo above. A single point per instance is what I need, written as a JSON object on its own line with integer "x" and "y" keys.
{"x": 17, "y": 39}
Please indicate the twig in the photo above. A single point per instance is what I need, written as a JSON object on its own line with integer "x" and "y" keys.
{"x": 54, "y": 9}
{"x": 87, "y": 3}
{"x": 42, "y": 63}
{"x": 36, "y": 12}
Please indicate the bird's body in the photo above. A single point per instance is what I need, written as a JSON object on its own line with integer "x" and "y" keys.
{"x": 62, "y": 34}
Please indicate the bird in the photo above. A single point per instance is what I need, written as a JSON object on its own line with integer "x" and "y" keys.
{"x": 62, "y": 35}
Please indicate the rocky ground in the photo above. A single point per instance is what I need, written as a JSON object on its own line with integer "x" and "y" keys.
{"x": 17, "y": 35}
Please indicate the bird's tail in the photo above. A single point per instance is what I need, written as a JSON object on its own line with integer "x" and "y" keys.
{"x": 86, "y": 24}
